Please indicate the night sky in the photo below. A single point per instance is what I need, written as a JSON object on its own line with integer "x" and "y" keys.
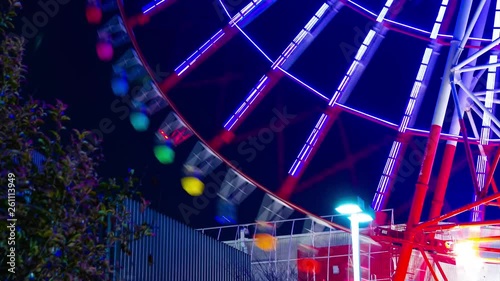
{"x": 63, "y": 64}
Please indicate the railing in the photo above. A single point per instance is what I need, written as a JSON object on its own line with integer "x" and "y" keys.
{"x": 281, "y": 262}
{"x": 282, "y": 227}
{"x": 290, "y": 235}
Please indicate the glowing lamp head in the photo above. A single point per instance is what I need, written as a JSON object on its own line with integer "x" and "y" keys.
{"x": 104, "y": 50}
{"x": 93, "y": 14}
{"x": 264, "y": 241}
{"x": 164, "y": 154}
{"x": 348, "y": 209}
{"x": 139, "y": 121}
{"x": 119, "y": 85}
{"x": 193, "y": 186}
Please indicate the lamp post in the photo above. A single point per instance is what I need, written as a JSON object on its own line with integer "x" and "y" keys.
{"x": 356, "y": 216}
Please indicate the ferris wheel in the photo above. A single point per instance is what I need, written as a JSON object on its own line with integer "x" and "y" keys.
{"x": 452, "y": 71}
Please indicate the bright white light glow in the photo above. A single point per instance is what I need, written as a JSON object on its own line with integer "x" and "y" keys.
{"x": 348, "y": 209}
{"x": 356, "y": 265}
{"x": 467, "y": 258}
{"x": 361, "y": 217}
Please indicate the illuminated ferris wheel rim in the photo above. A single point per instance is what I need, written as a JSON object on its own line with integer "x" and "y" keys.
{"x": 380, "y": 121}
{"x": 216, "y": 153}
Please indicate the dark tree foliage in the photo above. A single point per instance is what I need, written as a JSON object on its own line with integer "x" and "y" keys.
{"x": 58, "y": 218}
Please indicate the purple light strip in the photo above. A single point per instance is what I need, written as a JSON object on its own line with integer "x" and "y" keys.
{"x": 278, "y": 64}
{"x": 425, "y": 32}
{"x": 246, "y": 35}
{"x": 151, "y": 5}
{"x": 246, "y": 11}
{"x": 381, "y": 195}
{"x": 303, "y": 84}
{"x": 192, "y": 58}
{"x": 254, "y": 93}
{"x": 314, "y": 136}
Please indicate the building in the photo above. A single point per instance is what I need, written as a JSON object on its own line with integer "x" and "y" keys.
{"x": 178, "y": 253}
{"x": 305, "y": 250}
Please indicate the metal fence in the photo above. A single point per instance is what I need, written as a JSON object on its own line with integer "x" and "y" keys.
{"x": 331, "y": 251}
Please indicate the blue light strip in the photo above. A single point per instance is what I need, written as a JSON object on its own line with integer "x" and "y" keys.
{"x": 240, "y": 16}
{"x": 324, "y": 119}
{"x": 278, "y": 64}
{"x": 151, "y": 5}
{"x": 419, "y": 85}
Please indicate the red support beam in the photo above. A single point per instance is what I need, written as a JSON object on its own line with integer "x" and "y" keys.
{"x": 143, "y": 18}
{"x": 488, "y": 249}
{"x": 168, "y": 83}
{"x": 290, "y": 183}
{"x": 300, "y": 117}
{"x": 418, "y": 202}
{"x": 440, "y": 268}
{"x": 339, "y": 166}
{"x": 281, "y": 147}
{"x": 494, "y": 204}
{"x": 347, "y": 150}
{"x": 442, "y": 181}
{"x": 494, "y": 186}
{"x": 462, "y": 225}
{"x": 429, "y": 265}
{"x": 468, "y": 153}
{"x": 223, "y": 80}
{"x": 394, "y": 240}
{"x": 491, "y": 173}
{"x": 457, "y": 212}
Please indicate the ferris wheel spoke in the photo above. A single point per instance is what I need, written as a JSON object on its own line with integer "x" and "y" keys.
{"x": 219, "y": 39}
{"x": 287, "y": 58}
{"x": 149, "y": 10}
{"x": 361, "y": 60}
{"x": 399, "y": 146}
{"x": 482, "y": 160}
{"x": 347, "y": 148}
{"x": 156, "y": 6}
{"x": 340, "y": 166}
{"x": 301, "y": 117}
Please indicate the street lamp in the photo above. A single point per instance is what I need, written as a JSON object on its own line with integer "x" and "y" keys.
{"x": 357, "y": 215}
